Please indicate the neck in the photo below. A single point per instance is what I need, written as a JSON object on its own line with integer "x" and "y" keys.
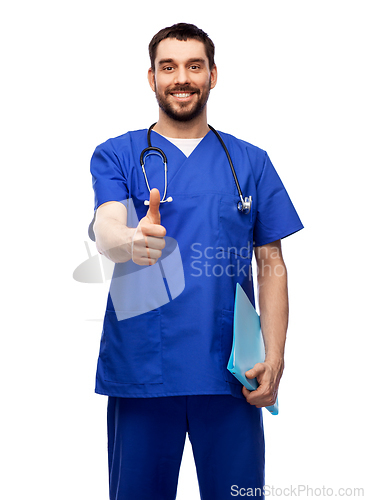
{"x": 193, "y": 129}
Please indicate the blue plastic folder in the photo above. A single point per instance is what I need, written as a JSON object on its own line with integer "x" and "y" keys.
{"x": 248, "y": 344}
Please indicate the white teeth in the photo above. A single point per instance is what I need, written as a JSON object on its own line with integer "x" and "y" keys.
{"x": 182, "y": 95}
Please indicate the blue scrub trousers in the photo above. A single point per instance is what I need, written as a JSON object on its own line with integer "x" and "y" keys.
{"x": 146, "y": 438}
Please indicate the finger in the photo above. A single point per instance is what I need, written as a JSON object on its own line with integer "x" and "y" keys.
{"x": 153, "y": 212}
{"x": 144, "y": 261}
{"x": 251, "y": 396}
{"x": 149, "y": 242}
{"x": 146, "y": 253}
{"x": 155, "y": 243}
{"x": 261, "y": 397}
{"x": 245, "y": 391}
{"x": 255, "y": 371}
{"x": 145, "y": 256}
{"x": 152, "y": 230}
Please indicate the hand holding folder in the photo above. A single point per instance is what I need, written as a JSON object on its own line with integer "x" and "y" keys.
{"x": 248, "y": 345}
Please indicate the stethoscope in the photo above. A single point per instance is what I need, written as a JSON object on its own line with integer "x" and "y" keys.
{"x": 244, "y": 205}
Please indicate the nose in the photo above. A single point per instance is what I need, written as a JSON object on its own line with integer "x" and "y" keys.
{"x": 182, "y": 76}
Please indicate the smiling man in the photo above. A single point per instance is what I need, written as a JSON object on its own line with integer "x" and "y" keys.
{"x": 165, "y": 370}
{"x": 182, "y": 85}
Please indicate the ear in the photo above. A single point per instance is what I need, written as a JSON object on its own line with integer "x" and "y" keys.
{"x": 213, "y": 77}
{"x": 151, "y": 79}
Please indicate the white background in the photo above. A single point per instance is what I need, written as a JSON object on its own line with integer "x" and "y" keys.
{"x": 291, "y": 81}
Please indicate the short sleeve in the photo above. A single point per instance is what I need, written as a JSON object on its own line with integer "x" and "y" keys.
{"x": 276, "y": 217}
{"x": 109, "y": 182}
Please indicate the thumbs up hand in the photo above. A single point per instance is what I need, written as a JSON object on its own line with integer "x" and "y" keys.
{"x": 148, "y": 240}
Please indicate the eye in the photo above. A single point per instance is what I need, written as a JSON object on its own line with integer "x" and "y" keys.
{"x": 168, "y": 68}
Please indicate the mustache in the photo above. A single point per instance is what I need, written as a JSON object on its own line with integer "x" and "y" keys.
{"x": 181, "y": 88}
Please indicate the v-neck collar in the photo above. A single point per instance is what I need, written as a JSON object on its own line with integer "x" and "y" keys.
{"x": 175, "y": 157}
{"x": 187, "y": 146}
{"x": 167, "y": 139}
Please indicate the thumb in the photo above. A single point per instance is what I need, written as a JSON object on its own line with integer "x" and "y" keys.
{"x": 253, "y": 372}
{"x": 153, "y": 212}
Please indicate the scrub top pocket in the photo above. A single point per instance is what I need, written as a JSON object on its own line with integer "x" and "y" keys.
{"x": 131, "y": 349}
{"x": 235, "y": 229}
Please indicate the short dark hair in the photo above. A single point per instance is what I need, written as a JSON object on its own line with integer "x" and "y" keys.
{"x": 183, "y": 32}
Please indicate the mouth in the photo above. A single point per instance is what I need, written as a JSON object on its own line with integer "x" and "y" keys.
{"x": 182, "y": 96}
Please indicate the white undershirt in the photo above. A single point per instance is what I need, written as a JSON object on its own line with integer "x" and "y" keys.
{"x": 187, "y": 146}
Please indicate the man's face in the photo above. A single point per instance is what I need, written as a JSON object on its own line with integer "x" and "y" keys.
{"x": 182, "y": 79}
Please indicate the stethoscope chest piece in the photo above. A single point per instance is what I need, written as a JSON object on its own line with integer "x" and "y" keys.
{"x": 245, "y": 205}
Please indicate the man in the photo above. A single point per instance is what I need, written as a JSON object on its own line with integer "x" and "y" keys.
{"x": 164, "y": 368}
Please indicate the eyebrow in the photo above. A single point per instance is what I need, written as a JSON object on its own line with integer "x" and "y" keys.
{"x": 189, "y": 61}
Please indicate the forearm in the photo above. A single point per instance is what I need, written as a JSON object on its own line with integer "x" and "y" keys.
{"x": 273, "y": 301}
{"x": 274, "y": 308}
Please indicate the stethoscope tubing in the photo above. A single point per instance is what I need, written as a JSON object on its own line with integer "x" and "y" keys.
{"x": 150, "y": 150}
{"x": 243, "y": 204}
{"x": 230, "y": 163}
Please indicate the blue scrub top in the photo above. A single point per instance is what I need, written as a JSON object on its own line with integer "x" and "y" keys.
{"x": 183, "y": 346}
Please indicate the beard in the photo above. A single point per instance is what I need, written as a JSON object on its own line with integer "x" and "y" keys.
{"x": 183, "y": 111}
